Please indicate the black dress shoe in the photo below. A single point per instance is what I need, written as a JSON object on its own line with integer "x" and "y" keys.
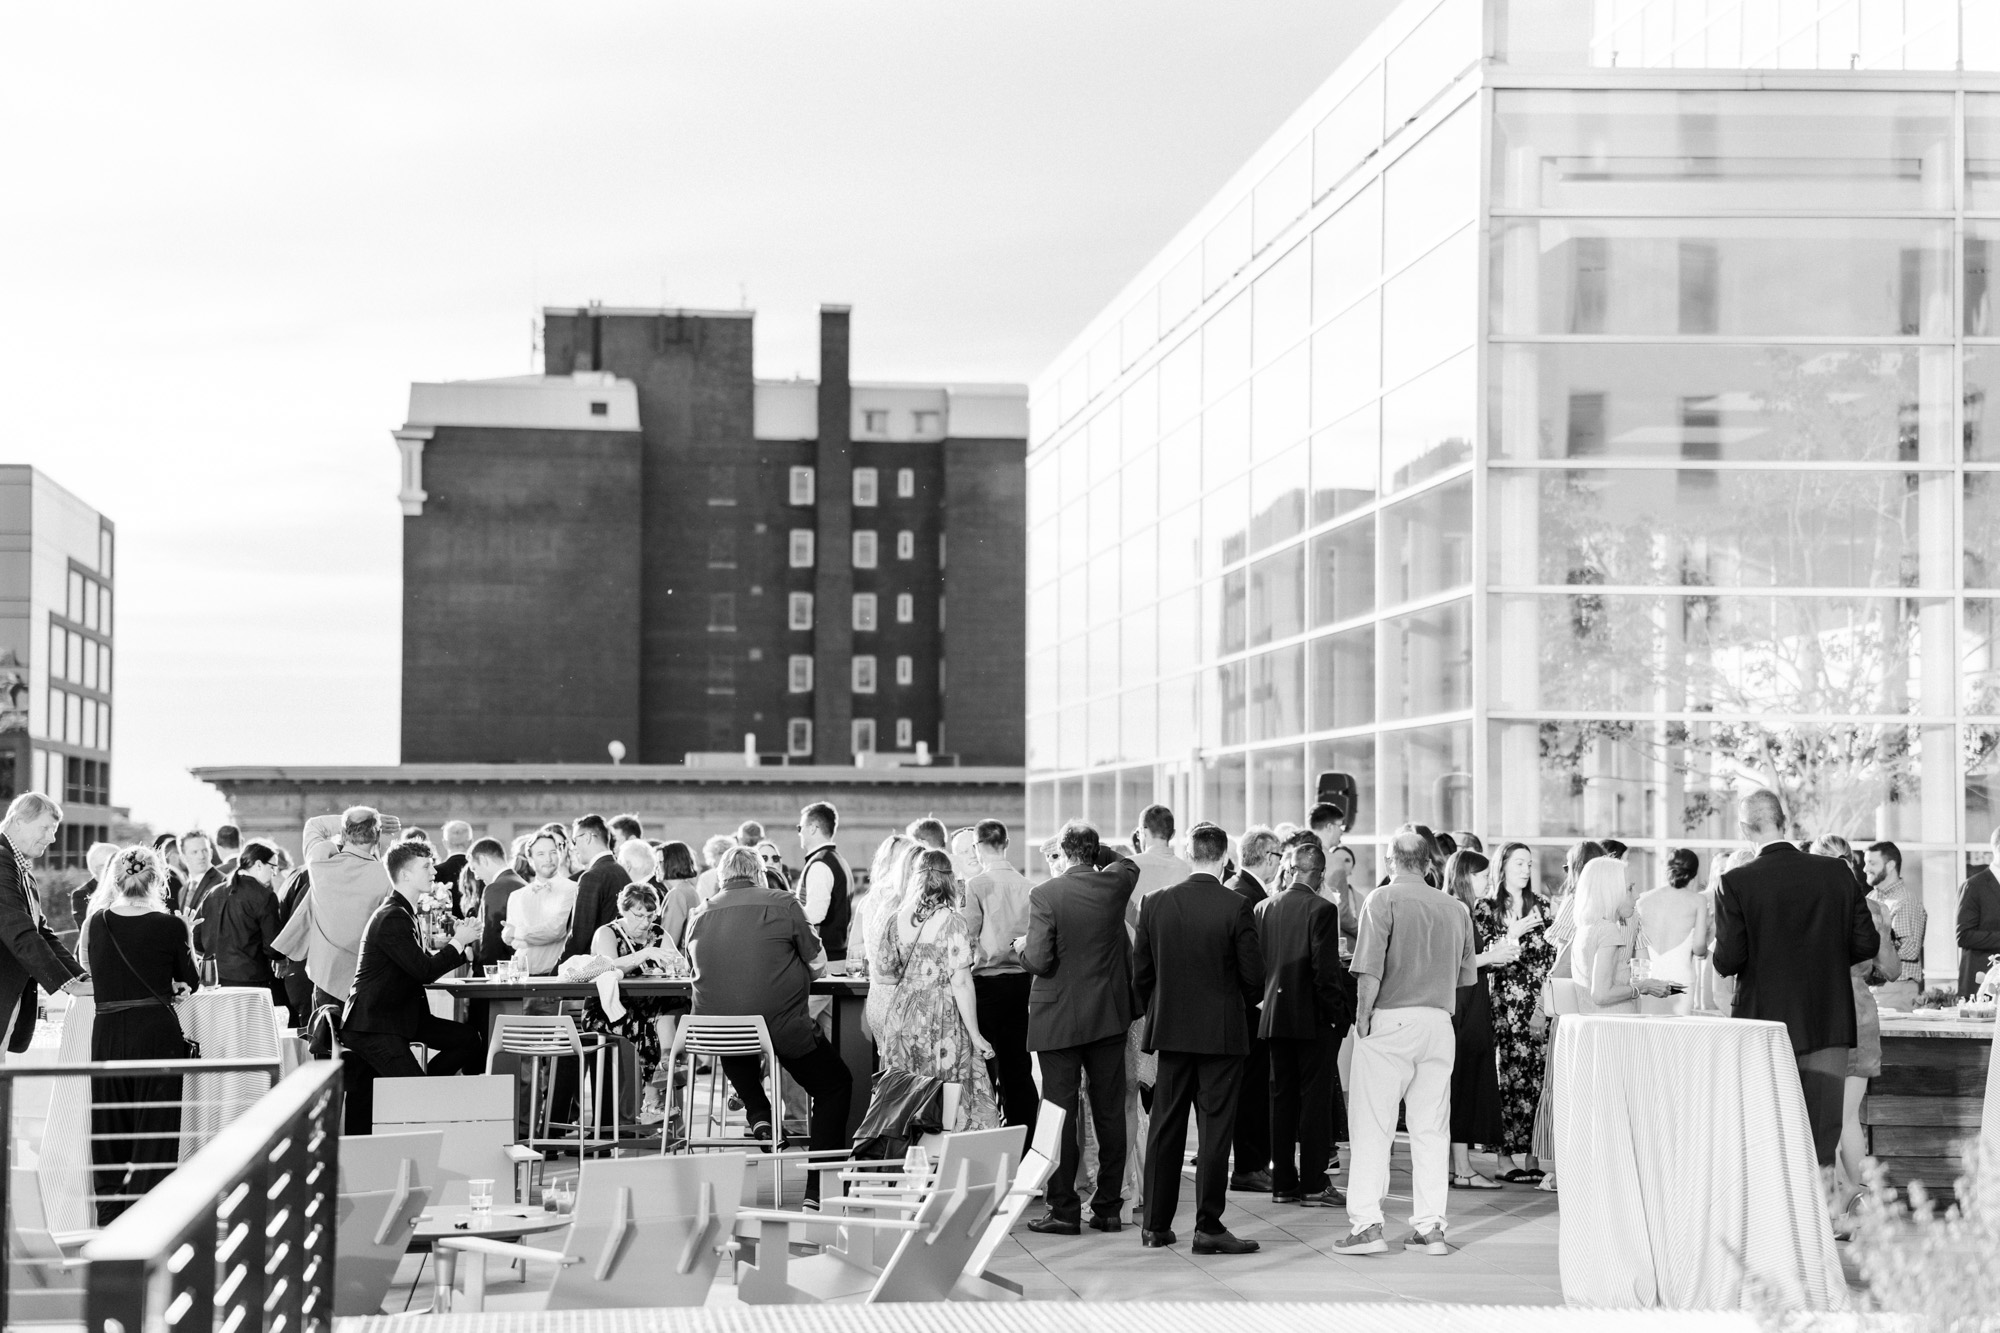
{"x": 1106, "y": 1224}
{"x": 1254, "y": 1182}
{"x": 1285, "y": 1196}
{"x": 1222, "y": 1242}
{"x": 1154, "y": 1240}
{"x": 1048, "y": 1224}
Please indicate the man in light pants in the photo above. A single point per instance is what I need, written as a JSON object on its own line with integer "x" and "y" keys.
{"x": 1413, "y": 952}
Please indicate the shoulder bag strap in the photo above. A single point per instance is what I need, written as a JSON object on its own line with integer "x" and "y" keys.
{"x": 139, "y": 977}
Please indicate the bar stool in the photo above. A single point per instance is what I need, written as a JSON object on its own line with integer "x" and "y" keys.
{"x": 546, "y": 1039}
{"x": 715, "y": 1038}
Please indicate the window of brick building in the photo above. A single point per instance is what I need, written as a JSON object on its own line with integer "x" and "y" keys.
{"x": 906, "y": 482}
{"x": 928, "y": 423}
{"x": 864, "y": 548}
{"x": 906, "y": 608}
{"x": 799, "y": 736}
{"x": 802, "y": 548}
{"x": 721, "y": 673}
{"x": 799, "y": 610}
{"x": 722, "y": 548}
{"x": 799, "y": 673}
{"x": 722, "y": 484}
{"x": 906, "y": 671}
{"x": 722, "y": 611}
{"x": 802, "y": 486}
{"x": 864, "y": 674}
{"x": 864, "y": 611}
{"x": 904, "y": 733}
{"x": 867, "y": 488}
{"x": 875, "y": 421}
{"x": 906, "y": 545}
{"x": 864, "y": 735}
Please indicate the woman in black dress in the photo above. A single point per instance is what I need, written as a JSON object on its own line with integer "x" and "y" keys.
{"x": 1475, "y": 1076}
{"x": 140, "y": 958}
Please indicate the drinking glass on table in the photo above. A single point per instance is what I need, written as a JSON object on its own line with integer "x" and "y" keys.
{"x": 479, "y": 1196}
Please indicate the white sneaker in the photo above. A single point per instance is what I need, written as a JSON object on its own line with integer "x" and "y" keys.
{"x": 1430, "y": 1242}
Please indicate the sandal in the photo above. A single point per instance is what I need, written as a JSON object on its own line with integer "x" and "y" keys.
{"x": 1520, "y": 1175}
{"x": 1475, "y": 1181}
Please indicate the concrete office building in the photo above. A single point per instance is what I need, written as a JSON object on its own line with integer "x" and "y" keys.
{"x": 647, "y": 545}
{"x": 55, "y": 655}
{"x": 1574, "y": 410}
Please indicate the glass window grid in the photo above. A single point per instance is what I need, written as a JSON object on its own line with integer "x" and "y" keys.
{"x": 1949, "y": 589}
{"x": 1957, "y": 595}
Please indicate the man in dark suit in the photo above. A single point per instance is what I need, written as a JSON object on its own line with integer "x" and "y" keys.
{"x": 1261, "y": 854}
{"x": 1978, "y": 923}
{"x": 1079, "y": 1007}
{"x": 30, "y": 954}
{"x": 387, "y": 1008}
{"x": 599, "y": 878}
{"x": 491, "y": 868}
{"x": 203, "y": 876}
{"x": 1788, "y": 926}
{"x": 1308, "y": 1004}
{"x": 1197, "y": 971}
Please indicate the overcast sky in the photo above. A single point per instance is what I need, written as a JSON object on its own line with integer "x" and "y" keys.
{"x": 232, "y": 235}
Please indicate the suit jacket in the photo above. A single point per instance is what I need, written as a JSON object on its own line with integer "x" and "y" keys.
{"x": 196, "y": 896}
{"x": 1080, "y": 956}
{"x": 79, "y": 900}
{"x": 1249, "y": 888}
{"x": 1307, "y": 989}
{"x": 238, "y": 926}
{"x": 596, "y": 903}
{"x": 1978, "y": 927}
{"x": 392, "y": 971}
{"x": 493, "y": 913}
{"x": 30, "y": 954}
{"x": 1196, "y": 968}
{"x": 347, "y": 886}
{"x": 1788, "y": 926}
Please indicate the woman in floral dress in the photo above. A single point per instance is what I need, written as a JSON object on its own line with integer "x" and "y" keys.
{"x": 932, "y": 1025}
{"x": 1511, "y": 909}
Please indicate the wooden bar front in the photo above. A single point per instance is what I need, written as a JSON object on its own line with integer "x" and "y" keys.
{"x": 1927, "y": 1101}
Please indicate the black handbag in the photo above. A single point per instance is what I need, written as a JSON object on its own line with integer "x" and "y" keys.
{"x": 193, "y": 1047}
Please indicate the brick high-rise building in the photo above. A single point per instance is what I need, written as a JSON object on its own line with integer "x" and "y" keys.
{"x": 646, "y": 544}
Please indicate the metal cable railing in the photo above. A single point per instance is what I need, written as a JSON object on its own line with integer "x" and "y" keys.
{"x": 84, "y": 1142}
{"x": 234, "y": 1237}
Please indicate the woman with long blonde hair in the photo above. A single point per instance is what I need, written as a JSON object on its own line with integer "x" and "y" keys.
{"x": 886, "y": 874}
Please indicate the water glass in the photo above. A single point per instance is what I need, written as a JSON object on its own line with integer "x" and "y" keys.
{"x": 479, "y": 1195}
{"x": 565, "y": 1197}
{"x": 493, "y": 971}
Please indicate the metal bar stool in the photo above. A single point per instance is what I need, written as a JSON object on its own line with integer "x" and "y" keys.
{"x": 715, "y": 1038}
{"x": 539, "y": 1039}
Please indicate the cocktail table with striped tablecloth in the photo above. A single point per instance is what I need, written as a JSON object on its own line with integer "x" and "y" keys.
{"x": 1686, "y": 1167}
{"x": 237, "y": 1022}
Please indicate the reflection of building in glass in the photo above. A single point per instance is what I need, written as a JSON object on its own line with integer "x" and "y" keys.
{"x": 1549, "y": 425}
{"x": 55, "y": 656}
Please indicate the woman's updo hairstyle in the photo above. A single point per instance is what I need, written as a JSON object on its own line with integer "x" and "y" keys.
{"x": 1682, "y": 866}
{"x": 638, "y": 895}
{"x": 137, "y": 873}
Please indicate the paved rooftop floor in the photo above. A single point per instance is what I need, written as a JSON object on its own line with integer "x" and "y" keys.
{"x": 1504, "y": 1254}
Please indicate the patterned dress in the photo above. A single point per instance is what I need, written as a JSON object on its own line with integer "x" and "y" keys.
{"x": 1516, "y": 990}
{"x": 922, "y": 1031}
{"x": 637, "y": 1025}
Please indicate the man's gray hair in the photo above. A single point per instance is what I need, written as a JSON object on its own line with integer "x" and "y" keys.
{"x": 457, "y": 835}
{"x": 740, "y": 863}
{"x": 638, "y": 858}
{"x": 1763, "y": 810}
{"x": 1259, "y": 841}
{"x": 361, "y": 825}
{"x": 1410, "y": 852}
{"x": 30, "y": 805}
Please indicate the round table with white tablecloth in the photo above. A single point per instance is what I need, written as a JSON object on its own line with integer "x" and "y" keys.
{"x": 1687, "y": 1170}
{"x": 233, "y": 1022}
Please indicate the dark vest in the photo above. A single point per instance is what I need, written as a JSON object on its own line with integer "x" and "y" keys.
{"x": 832, "y": 930}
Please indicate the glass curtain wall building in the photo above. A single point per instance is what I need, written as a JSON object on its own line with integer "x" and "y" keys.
{"x": 1574, "y": 413}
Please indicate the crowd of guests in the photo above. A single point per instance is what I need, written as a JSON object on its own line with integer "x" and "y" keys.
{"x": 1252, "y": 981}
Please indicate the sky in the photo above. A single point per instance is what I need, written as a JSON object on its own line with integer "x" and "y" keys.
{"x": 233, "y": 234}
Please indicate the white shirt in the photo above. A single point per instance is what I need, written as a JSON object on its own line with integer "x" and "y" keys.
{"x": 538, "y": 906}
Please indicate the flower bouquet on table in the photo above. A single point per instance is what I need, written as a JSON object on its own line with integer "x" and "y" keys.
{"x": 1986, "y": 1001}
{"x": 435, "y": 913}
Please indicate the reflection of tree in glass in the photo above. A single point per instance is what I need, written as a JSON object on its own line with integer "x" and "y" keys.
{"x": 1751, "y": 662}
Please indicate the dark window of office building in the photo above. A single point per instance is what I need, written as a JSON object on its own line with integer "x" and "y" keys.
{"x": 722, "y": 548}
{"x": 722, "y": 611}
{"x": 722, "y": 484}
{"x": 721, "y": 673}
